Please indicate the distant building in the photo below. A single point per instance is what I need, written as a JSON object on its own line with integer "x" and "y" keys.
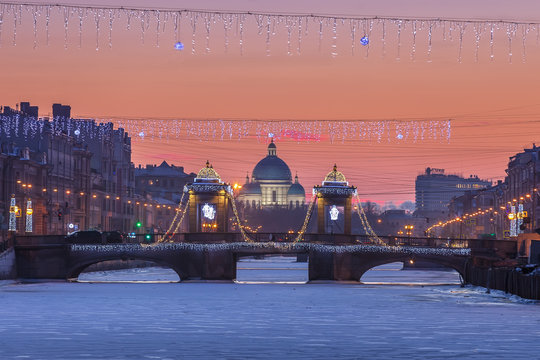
{"x": 61, "y": 111}
{"x": 162, "y": 182}
{"x": 29, "y": 110}
{"x": 25, "y": 110}
{"x": 271, "y": 184}
{"x": 398, "y": 222}
{"x": 435, "y": 189}
{"x": 521, "y": 191}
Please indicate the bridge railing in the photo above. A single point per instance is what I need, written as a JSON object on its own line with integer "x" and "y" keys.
{"x": 504, "y": 248}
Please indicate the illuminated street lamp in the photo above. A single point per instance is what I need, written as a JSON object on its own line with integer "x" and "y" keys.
{"x": 409, "y": 230}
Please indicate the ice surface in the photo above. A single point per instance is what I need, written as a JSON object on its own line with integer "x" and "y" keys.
{"x": 57, "y": 320}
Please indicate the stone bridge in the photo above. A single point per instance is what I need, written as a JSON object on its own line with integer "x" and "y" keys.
{"x": 217, "y": 261}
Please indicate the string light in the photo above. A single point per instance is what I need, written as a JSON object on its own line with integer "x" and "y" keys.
{"x": 374, "y": 131}
{"x": 365, "y": 223}
{"x": 306, "y": 219}
{"x": 29, "y": 212}
{"x": 178, "y": 224}
{"x": 240, "y": 226}
{"x": 176, "y": 215}
{"x": 288, "y": 24}
{"x": 12, "y": 214}
{"x": 291, "y": 246}
{"x": 490, "y": 211}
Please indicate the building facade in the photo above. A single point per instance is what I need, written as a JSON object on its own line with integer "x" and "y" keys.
{"x": 78, "y": 173}
{"x": 434, "y": 190}
{"x": 163, "y": 185}
{"x": 271, "y": 184}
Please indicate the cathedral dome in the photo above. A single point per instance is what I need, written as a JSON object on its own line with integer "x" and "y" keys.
{"x": 271, "y": 167}
{"x": 296, "y": 188}
{"x": 251, "y": 189}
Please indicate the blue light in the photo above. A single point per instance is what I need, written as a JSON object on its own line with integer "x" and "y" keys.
{"x": 179, "y": 46}
{"x": 364, "y": 40}
{"x": 141, "y": 134}
{"x": 399, "y": 136}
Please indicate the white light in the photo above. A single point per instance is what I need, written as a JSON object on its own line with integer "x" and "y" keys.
{"x": 77, "y": 132}
{"x": 29, "y": 212}
{"x": 141, "y": 134}
{"x": 209, "y": 212}
{"x": 12, "y": 215}
{"x": 71, "y": 226}
{"x": 334, "y": 213}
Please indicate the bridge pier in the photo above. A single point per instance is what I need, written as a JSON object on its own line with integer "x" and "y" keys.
{"x": 331, "y": 266}
{"x": 218, "y": 265}
{"x": 42, "y": 262}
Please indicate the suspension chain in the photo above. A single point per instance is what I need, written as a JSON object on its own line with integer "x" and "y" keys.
{"x": 178, "y": 208}
{"x": 179, "y": 223}
{"x": 306, "y": 220}
{"x": 365, "y": 223}
{"x": 242, "y": 231}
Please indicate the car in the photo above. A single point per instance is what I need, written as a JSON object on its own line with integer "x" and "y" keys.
{"x": 84, "y": 237}
{"x": 95, "y": 237}
{"x": 114, "y": 237}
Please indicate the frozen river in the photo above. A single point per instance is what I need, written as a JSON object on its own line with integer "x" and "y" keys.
{"x": 394, "y": 315}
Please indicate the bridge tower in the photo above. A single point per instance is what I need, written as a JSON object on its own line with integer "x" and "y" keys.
{"x": 208, "y": 202}
{"x": 334, "y": 204}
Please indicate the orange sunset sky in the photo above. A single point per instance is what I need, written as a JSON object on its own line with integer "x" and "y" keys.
{"x": 494, "y": 105}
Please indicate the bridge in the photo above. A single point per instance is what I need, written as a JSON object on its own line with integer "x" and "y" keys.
{"x": 213, "y": 256}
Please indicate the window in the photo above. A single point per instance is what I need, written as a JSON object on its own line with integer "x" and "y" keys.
{"x": 274, "y": 196}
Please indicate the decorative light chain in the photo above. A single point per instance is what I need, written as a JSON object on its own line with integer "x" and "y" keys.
{"x": 178, "y": 224}
{"x": 296, "y": 27}
{"x": 178, "y": 209}
{"x": 240, "y": 226}
{"x": 29, "y": 214}
{"x": 365, "y": 223}
{"x": 152, "y": 129}
{"x": 306, "y": 220}
{"x": 12, "y": 214}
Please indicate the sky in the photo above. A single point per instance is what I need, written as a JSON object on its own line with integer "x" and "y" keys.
{"x": 494, "y": 105}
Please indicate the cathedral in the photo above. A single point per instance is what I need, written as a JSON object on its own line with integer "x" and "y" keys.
{"x": 271, "y": 184}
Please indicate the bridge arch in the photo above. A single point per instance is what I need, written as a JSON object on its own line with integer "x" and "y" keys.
{"x": 457, "y": 264}
{"x": 78, "y": 267}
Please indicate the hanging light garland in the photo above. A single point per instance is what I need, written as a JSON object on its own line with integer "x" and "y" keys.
{"x": 365, "y": 223}
{"x": 303, "y": 229}
{"x": 178, "y": 210}
{"x": 240, "y": 226}
{"x": 365, "y": 32}
{"x": 184, "y": 211}
{"x": 148, "y": 129}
